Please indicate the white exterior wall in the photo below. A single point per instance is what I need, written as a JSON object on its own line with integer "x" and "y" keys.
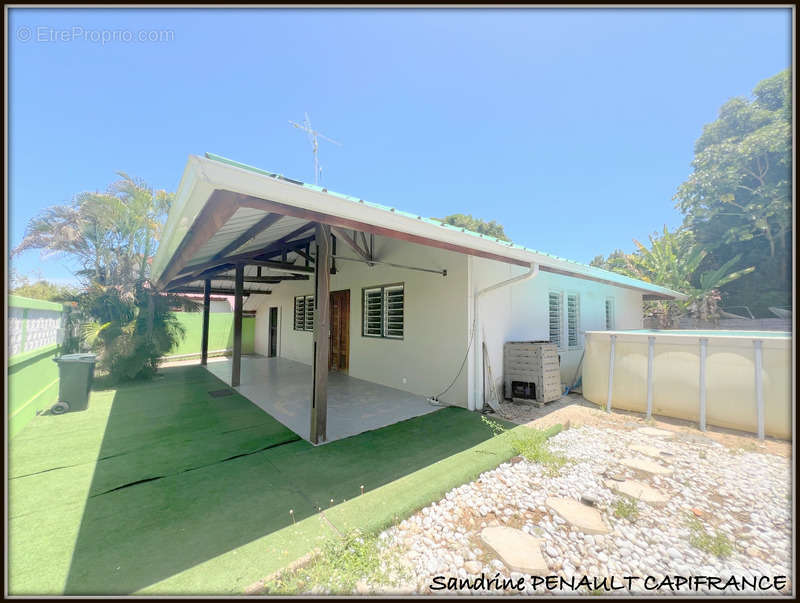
{"x": 436, "y": 321}
{"x": 439, "y": 319}
{"x": 520, "y": 313}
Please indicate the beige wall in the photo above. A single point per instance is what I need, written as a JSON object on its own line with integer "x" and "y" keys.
{"x": 520, "y": 313}
{"x": 439, "y": 319}
{"x": 730, "y": 378}
{"x": 435, "y": 341}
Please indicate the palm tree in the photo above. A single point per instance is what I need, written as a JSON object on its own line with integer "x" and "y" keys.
{"x": 113, "y": 236}
{"x": 672, "y": 261}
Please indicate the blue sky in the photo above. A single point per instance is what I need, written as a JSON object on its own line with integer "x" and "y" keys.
{"x": 573, "y": 128}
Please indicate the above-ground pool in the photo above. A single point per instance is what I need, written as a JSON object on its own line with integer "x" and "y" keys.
{"x": 735, "y": 379}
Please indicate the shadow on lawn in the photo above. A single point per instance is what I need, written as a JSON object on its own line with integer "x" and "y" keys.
{"x": 183, "y": 477}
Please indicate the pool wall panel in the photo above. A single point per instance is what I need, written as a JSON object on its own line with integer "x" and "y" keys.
{"x": 730, "y": 377}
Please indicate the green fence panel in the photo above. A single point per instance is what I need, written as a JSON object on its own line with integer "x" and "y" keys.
{"x": 32, "y": 386}
{"x": 220, "y": 333}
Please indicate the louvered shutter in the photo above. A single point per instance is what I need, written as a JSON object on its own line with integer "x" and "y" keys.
{"x": 373, "y": 312}
{"x": 394, "y": 302}
{"x": 299, "y": 313}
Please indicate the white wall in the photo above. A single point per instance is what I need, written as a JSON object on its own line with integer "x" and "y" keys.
{"x": 439, "y": 318}
{"x": 520, "y": 313}
{"x": 436, "y": 321}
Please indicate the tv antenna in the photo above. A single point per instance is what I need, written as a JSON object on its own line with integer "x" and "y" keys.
{"x": 313, "y": 138}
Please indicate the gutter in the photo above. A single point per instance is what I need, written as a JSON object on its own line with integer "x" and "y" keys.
{"x": 533, "y": 271}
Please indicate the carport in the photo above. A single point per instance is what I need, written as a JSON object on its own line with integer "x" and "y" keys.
{"x": 237, "y": 230}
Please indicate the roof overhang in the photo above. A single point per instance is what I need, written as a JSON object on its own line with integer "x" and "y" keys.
{"x": 226, "y": 213}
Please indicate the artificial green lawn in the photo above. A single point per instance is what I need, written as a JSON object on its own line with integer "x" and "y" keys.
{"x": 214, "y": 516}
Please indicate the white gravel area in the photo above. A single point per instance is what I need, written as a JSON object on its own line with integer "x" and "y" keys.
{"x": 744, "y": 495}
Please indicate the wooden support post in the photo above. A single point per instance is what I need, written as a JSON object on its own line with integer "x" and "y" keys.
{"x": 322, "y": 276}
{"x": 206, "y": 318}
{"x": 333, "y": 259}
{"x": 238, "y": 290}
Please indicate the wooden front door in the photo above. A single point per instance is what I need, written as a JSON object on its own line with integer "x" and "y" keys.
{"x": 339, "y": 357}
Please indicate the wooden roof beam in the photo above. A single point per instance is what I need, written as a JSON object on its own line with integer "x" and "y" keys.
{"x": 315, "y": 216}
{"x": 220, "y": 207}
{"x": 351, "y": 242}
{"x": 248, "y": 234}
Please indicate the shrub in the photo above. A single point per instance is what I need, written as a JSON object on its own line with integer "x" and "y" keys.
{"x": 130, "y": 331}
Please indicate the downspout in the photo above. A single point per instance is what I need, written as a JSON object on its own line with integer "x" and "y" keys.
{"x": 533, "y": 271}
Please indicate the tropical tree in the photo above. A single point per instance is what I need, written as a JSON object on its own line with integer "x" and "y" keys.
{"x": 466, "y": 221}
{"x": 674, "y": 260}
{"x": 113, "y": 236}
{"x": 737, "y": 201}
{"x": 131, "y": 331}
{"x": 41, "y": 289}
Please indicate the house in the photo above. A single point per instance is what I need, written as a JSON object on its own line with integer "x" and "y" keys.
{"x": 400, "y": 315}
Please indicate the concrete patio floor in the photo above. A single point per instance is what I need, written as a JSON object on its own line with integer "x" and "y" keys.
{"x": 282, "y": 388}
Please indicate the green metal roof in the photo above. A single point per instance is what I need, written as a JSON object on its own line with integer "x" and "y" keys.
{"x": 598, "y": 272}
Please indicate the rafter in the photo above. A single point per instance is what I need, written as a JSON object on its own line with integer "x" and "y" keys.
{"x": 248, "y": 234}
{"x": 221, "y": 291}
{"x": 350, "y": 241}
{"x": 246, "y": 258}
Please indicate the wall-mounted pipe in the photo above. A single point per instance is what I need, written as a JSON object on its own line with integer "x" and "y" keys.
{"x": 373, "y": 262}
{"x": 533, "y": 270}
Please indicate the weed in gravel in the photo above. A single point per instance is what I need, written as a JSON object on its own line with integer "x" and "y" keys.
{"x": 339, "y": 566}
{"x": 715, "y": 543}
{"x": 532, "y": 444}
{"x": 626, "y": 508}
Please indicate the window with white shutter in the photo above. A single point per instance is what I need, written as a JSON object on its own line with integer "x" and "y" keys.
{"x": 300, "y": 313}
{"x": 573, "y": 320}
{"x": 610, "y": 314}
{"x": 304, "y": 313}
{"x": 393, "y": 311}
{"x": 309, "y": 312}
{"x": 373, "y": 312}
{"x": 383, "y": 311}
{"x": 555, "y": 317}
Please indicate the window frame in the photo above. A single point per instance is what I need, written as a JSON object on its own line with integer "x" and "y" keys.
{"x": 578, "y": 343}
{"x": 384, "y": 322}
{"x": 306, "y": 316}
{"x": 560, "y": 322}
{"x": 613, "y": 302}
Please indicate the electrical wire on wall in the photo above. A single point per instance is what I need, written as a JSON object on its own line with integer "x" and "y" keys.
{"x": 533, "y": 270}
{"x": 435, "y": 399}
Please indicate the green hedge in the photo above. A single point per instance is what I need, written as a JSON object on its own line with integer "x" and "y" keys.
{"x": 220, "y": 332}
{"x": 32, "y": 385}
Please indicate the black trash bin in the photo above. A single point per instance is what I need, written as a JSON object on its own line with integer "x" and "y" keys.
{"x": 75, "y": 373}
